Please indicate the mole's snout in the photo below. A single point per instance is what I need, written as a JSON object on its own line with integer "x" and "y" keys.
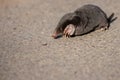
{"x": 56, "y": 35}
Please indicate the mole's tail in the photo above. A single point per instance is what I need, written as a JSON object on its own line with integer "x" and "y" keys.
{"x": 111, "y": 18}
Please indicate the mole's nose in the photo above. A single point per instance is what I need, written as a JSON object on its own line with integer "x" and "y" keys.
{"x": 55, "y": 36}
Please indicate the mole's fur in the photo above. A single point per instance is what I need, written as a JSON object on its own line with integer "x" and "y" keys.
{"x": 83, "y": 20}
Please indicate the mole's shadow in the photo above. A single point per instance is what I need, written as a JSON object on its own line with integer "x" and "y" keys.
{"x": 111, "y": 19}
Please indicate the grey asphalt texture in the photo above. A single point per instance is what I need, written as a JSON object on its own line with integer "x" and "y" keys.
{"x": 28, "y": 52}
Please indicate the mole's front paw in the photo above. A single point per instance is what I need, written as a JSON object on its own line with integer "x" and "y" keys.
{"x": 69, "y": 30}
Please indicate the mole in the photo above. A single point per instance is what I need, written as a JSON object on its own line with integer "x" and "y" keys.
{"x": 83, "y": 20}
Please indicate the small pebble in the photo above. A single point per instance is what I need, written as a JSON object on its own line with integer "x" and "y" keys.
{"x": 44, "y": 44}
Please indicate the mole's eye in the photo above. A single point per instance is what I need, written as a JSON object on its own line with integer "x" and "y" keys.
{"x": 77, "y": 18}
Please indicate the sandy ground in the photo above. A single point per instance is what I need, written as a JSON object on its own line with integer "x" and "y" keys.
{"x": 27, "y": 51}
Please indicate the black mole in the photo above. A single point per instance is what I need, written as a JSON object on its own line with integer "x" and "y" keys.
{"x": 83, "y": 20}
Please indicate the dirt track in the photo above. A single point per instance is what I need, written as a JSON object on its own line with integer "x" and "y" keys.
{"x": 27, "y": 51}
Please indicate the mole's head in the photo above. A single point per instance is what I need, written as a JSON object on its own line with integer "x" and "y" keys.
{"x": 65, "y": 22}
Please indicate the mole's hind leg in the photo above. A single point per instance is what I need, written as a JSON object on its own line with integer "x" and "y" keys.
{"x": 69, "y": 30}
{"x": 104, "y": 27}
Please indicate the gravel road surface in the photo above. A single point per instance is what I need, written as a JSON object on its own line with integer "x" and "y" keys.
{"x": 28, "y": 52}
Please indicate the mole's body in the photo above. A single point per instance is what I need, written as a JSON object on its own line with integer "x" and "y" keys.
{"x": 83, "y": 20}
